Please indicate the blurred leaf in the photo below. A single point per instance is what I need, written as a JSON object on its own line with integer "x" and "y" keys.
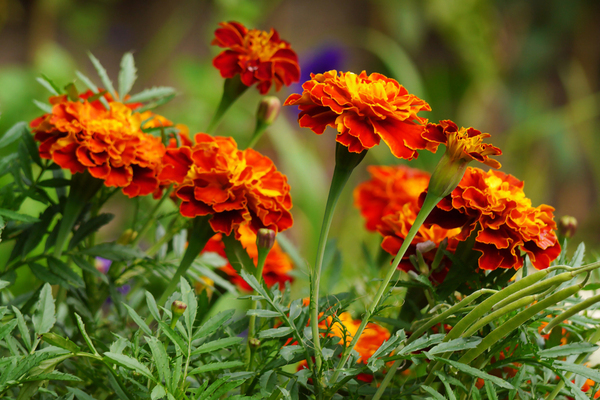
{"x": 59, "y": 341}
{"x": 72, "y": 92}
{"x": 275, "y": 332}
{"x": 81, "y": 395}
{"x": 25, "y": 161}
{"x": 44, "y": 275}
{"x": 216, "y": 367}
{"x": 138, "y": 320}
{"x": 151, "y": 94}
{"x": 89, "y": 227}
{"x": 62, "y": 270}
{"x": 25, "y": 336}
{"x": 44, "y": 319}
{"x": 154, "y": 104}
{"x": 84, "y": 333}
{"x": 127, "y": 74}
{"x": 46, "y": 108}
{"x": 114, "y": 252}
{"x": 48, "y": 84}
{"x": 578, "y": 369}
{"x": 436, "y": 395}
{"x": 475, "y": 372}
{"x": 7, "y": 328}
{"x": 54, "y": 182}
{"x": 38, "y": 230}
{"x": 85, "y": 265}
{"x": 160, "y": 359}
{"x": 14, "y": 133}
{"x": 129, "y": 363}
{"x": 103, "y": 76}
{"x": 151, "y": 302}
{"x": 217, "y": 345}
{"x": 214, "y": 323}
{"x": 87, "y": 82}
{"x": 263, "y": 313}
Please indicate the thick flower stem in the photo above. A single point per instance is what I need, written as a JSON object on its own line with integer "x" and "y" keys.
{"x": 428, "y": 205}
{"x": 338, "y": 181}
{"x": 232, "y": 90}
{"x": 261, "y": 127}
{"x": 199, "y": 235}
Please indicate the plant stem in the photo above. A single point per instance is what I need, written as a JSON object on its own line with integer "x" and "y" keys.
{"x": 232, "y": 90}
{"x": 261, "y": 127}
{"x": 262, "y": 257}
{"x": 428, "y": 205}
{"x": 150, "y": 218}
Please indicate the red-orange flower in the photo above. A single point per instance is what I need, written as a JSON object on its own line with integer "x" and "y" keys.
{"x": 110, "y": 144}
{"x": 496, "y": 202}
{"x": 388, "y": 190}
{"x": 235, "y": 187}
{"x": 364, "y": 109}
{"x": 462, "y": 143}
{"x": 257, "y": 56}
{"x": 277, "y": 264}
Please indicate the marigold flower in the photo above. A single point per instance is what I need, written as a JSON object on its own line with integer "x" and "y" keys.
{"x": 277, "y": 265}
{"x": 235, "y": 187}
{"x": 388, "y": 190}
{"x": 110, "y": 144}
{"x": 496, "y": 202}
{"x": 364, "y": 109}
{"x": 257, "y": 56}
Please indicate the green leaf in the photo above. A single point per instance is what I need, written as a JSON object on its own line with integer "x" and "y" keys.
{"x": 38, "y": 230}
{"x": 25, "y": 161}
{"x": 138, "y": 320}
{"x": 15, "y": 216}
{"x": 582, "y": 370}
{"x": 189, "y": 297}
{"x": 7, "y": 328}
{"x": 44, "y": 318}
{"x": 216, "y": 367}
{"x": 160, "y": 358}
{"x": 151, "y": 302}
{"x": 53, "y": 376}
{"x": 103, "y": 76}
{"x": 158, "y": 392}
{"x": 433, "y": 392}
{"x": 129, "y": 363}
{"x": 475, "y": 372}
{"x": 46, "y": 108}
{"x": 89, "y": 227}
{"x": 61, "y": 269}
{"x": 84, "y": 333}
{"x": 275, "y": 332}
{"x": 290, "y": 351}
{"x": 456, "y": 345}
{"x": 54, "y": 182}
{"x": 86, "y": 266}
{"x": 23, "y": 328}
{"x": 263, "y": 313}
{"x": 48, "y": 84}
{"x": 422, "y": 342}
{"x": 32, "y": 147}
{"x": 14, "y": 133}
{"x": 173, "y": 336}
{"x": 151, "y": 94}
{"x": 237, "y": 255}
{"x": 214, "y": 323}
{"x": 63, "y": 343}
{"x": 568, "y": 349}
{"x": 575, "y": 391}
{"x": 217, "y": 345}
{"x": 4, "y": 284}
{"x": 114, "y": 252}
{"x": 127, "y": 74}
{"x": 44, "y": 275}
{"x": 80, "y": 394}
{"x": 72, "y": 92}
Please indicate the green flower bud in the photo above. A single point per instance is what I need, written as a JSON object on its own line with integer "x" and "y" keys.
{"x": 567, "y": 226}
{"x": 265, "y": 238}
{"x": 268, "y": 109}
{"x": 178, "y": 308}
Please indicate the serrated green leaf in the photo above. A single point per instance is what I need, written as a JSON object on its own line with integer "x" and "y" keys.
{"x": 275, "y": 332}
{"x": 62, "y": 270}
{"x": 48, "y": 84}
{"x": 114, "y": 252}
{"x": 13, "y": 134}
{"x": 217, "y": 345}
{"x": 475, "y": 372}
{"x": 31, "y": 146}
{"x": 237, "y": 256}
{"x": 161, "y": 360}
{"x": 103, "y": 76}
{"x": 15, "y": 216}
{"x": 138, "y": 320}
{"x": 89, "y": 227}
{"x": 46, "y": 108}
{"x": 175, "y": 338}
{"x": 433, "y": 392}
{"x": 151, "y": 302}
{"x": 290, "y": 351}
{"x": 456, "y": 345}
{"x": 214, "y": 323}
{"x": 568, "y": 349}
{"x": 579, "y": 370}
{"x": 129, "y": 363}
{"x": 22, "y": 328}
{"x": 59, "y": 341}
{"x": 189, "y": 297}
{"x": 158, "y": 392}
{"x": 84, "y": 333}
{"x": 44, "y": 275}
{"x": 86, "y": 266}
{"x": 7, "y": 328}
{"x": 81, "y": 395}
{"x": 423, "y": 342}
{"x": 263, "y": 313}
{"x": 216, "y": 367}
{"x": 44, "y": 318}
{"x": 127, "y": 74}
{"x": 53, "y": 376}
{"x": 151, "y": 94}
{"x": 4, "y": 284}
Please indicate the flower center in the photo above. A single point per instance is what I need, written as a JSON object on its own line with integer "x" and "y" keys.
{"x": 259, "y": 45}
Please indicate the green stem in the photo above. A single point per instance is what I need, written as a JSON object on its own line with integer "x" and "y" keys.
{"x": 338, "y": 181}
{"x": 232, "y": 90}
{"x": 261, "y": 127}
{"x": 150, "y": 218}
{"x": 428, "y": 205}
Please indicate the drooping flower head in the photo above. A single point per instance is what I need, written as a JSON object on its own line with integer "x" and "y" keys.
{"x": 235, "y": 187}
{"x": 277, "y": 265}
{"x": 110, "y": 144}
{"x": 509, "y": 224}
{"x": 257, "y": 56}
{"x": 364, "y": 109}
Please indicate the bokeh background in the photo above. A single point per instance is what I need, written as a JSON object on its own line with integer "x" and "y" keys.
{"x": 525, "y": 71}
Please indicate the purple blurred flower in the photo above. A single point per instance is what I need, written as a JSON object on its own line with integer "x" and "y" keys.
{"x": 102, "y": 265}
{"x": 323, "y": 59}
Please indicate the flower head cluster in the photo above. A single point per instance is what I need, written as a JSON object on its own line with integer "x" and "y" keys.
{"x": 110, "y": 144}
{"x": 364, "y": 109}
{"x": 508, "y": 223}
{"x": 257, "y": 56}
{"x": 236, "y": 187}
{"x": 277, "y": 265}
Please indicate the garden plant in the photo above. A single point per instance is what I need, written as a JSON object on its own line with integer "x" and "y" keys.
{"x": 472, "y": 294}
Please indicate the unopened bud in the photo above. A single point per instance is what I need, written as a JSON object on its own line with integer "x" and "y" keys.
{"x": 254, "y": 342}
{"x": 567, "y": 226}
{"x": 265, "y": 238}
{"x": 127, "y": 237}
{"x": 268, "y": 109}
{"x": 178, "y": 308}
{"x": 425, "y": 247}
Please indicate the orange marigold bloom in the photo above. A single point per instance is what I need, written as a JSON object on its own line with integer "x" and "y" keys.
{"x": 389, "y": 188}
{"x": 496, "y": 202}
{"x": 257, "y": 56}
{"x": 462, "y": 144}
{"x": 364, "y": 109}
{"x": 110, "y": 144}
{"x": 277, "y": 265}
{"x": 235, "y": 187}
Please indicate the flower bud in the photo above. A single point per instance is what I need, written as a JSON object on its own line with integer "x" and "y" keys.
{"x": 254, "y": 342}
{"x": 127, "y": 237}
{"x": 567, "y": 226}
{"x": 425, "y": 247}
{"x": 268, "y": 109}
{"x": 265, "y": 238}
{"x": 178, "y": 308}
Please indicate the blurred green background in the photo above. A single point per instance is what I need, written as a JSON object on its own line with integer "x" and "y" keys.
{"x": 525, "y": 71}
